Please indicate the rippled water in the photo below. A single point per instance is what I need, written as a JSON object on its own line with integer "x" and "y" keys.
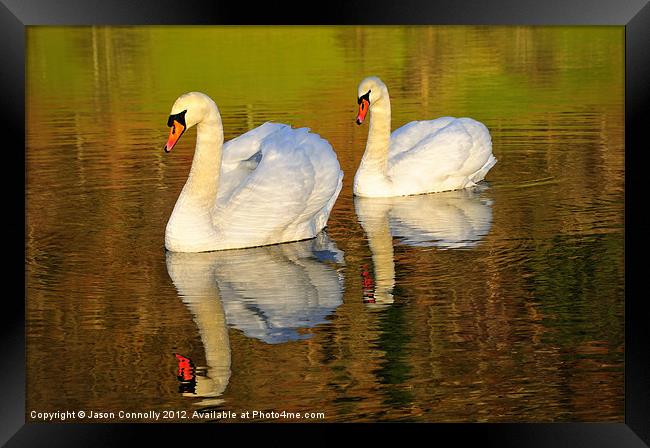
{"x": 503, "y": 303}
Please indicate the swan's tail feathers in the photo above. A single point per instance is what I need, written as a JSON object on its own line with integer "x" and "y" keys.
{"x": 321, "y": 220}
{"x": 480, "y": 174}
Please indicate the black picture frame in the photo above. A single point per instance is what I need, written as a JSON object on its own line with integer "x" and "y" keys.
{"x": 15, "y": 15}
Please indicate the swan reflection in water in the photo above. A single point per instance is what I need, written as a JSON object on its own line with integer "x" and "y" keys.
{"x": 269, "y": 293}
{"x": 450, "y": 220}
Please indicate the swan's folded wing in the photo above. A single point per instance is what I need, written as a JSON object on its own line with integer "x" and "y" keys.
{"x": 245, "y": 146}
{"x": 438, "y": 156}
{"x": 242, "y": 155}
{"x": 408, "y": 136}
{"x": 272, "y": 195}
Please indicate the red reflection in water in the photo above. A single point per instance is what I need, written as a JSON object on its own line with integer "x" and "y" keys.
{"x": 185, "y": 375}
{"x": 367, "y": 283}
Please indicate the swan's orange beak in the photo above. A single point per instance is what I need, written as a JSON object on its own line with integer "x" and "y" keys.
{"x": 175, "y": 133}
{"x": 364, "y": 105}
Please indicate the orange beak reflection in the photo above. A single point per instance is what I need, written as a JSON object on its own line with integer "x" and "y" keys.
{"x": 175, "y": 133}
{"x": 364, "y": 105}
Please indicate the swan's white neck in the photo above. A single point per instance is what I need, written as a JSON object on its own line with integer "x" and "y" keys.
{"x": 203, "y": 180}
{"x": 191, "y": 225}
{"x": 375, "y": 158}
{"x": 372, "y": 175}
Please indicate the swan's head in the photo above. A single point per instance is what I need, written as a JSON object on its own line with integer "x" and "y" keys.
{"x": 371, "y": 90}
{"x": 188, "y": 110}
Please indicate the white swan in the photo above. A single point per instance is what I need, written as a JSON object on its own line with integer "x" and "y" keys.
{"x": 270, "y": 185}
{"x": 420, "y": 157}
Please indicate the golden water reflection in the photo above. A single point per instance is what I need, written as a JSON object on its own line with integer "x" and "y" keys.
{"x": 506, "y": 305}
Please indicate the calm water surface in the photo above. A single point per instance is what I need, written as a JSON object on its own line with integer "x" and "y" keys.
{"x": 503, "y": 303}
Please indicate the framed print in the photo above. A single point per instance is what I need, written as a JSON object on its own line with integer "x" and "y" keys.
{"x": 370, "y": 213}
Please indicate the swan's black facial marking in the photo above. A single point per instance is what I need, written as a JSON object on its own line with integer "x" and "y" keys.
{"x": 364, "y": 106}
{"x": 180, "y": 117}
{"x": 177, "y": 124}
{"x": 365, "y": 96}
